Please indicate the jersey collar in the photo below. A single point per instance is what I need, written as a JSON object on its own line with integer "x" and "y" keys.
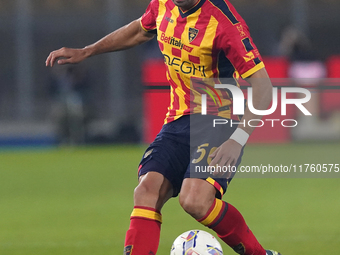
{"x": 192, "y": 10}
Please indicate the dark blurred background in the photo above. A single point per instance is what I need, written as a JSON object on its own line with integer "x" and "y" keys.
{"x": 99, "y": 100}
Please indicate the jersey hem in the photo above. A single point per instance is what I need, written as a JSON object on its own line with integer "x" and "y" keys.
{"x": 253, "y": 70}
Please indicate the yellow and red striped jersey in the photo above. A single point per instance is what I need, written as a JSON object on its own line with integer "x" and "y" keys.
{"x": 210, "y": 40}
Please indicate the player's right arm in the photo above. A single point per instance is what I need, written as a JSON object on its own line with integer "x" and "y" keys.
{"x": 123, "y": 38}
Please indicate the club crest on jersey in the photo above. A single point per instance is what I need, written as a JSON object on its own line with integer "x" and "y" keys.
{"x": 192, "y": 34}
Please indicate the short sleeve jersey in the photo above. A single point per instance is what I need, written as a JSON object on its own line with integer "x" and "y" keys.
{"x": 210, "y": 40}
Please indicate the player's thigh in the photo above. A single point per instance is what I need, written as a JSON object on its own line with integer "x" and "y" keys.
{"x": 153, "y": 190}
{"x": 169, "y": 153}
{"x": 196, "y": 196}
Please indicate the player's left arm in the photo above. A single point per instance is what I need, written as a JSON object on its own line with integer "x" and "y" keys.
{"x": 123, "y": 38}
{"x": 229, "y": 152}
{"x": 262, "y": 96}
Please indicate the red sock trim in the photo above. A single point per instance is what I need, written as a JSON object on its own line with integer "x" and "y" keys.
{"x": 220, "y": 216}
{"x": 215, "y": 213}
{"x": 208, "y": 213}
{"x": 147, "y": 208}
{"x": 147, "y": 213}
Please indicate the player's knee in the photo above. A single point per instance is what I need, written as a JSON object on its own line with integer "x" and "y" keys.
{"x": 145, "y": 195}
{"x": 193, "y": 205}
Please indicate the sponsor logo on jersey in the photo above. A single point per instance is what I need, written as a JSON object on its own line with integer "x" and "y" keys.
{"x": 240, "y": 29}
{"x": 175, "y": 42}
{"x": 170, "y": 20}
{"x": 249, "y": 56}
{"x": 192, "y": 34}
{"x": 185, "y": 67}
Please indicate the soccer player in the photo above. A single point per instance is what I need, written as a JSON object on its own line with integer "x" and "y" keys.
{"x": 199, "y": 39}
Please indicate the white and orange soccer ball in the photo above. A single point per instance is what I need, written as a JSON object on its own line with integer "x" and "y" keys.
{"x": 196, "y": 242}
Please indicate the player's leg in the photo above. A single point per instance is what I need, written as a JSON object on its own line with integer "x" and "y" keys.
{"x": 152, "y": 192}
{"x": 160, "y": 173}
{"x": 197, "y": 197}
{"x": 201, "y": 191}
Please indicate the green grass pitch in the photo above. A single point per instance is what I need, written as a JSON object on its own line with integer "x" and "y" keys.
{"x": 78, "y": 201}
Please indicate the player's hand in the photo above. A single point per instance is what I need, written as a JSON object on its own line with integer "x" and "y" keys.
{"x": 226, "y": 155}
{"x": 66, "y": 56}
